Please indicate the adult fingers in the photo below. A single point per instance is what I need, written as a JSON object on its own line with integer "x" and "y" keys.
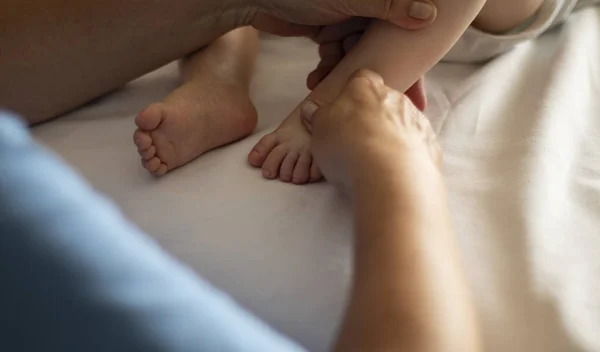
{"x": 362, "y": 86}
{"x": 276, "y": 26}
{"x": 351, "y": 41}
{"x": 408, "y": 14}
{"x": 338, "y": 32}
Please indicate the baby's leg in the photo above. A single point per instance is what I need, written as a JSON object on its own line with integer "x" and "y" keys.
{"x": 501, "y": 16}
{"x": 400, "y": 56}
{"x": 210, "y": 109}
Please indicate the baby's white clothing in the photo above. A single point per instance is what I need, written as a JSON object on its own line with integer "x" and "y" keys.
{"x": 478, "y": 46}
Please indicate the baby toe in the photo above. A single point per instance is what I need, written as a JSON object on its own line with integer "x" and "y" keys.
{"x": 151, "y": 117}
{"x": 315, "y": 172}
{"x": 302, "y": 170}
{"x": 286, "y": 171}
{"x": 149, "y": 153}
{"x": 262, "y": 150}
{"x": 272, "y": 165}
{"x": 152, "y": 165}
{"x": 161, "y": 171}
{"x": 142, "y": 140}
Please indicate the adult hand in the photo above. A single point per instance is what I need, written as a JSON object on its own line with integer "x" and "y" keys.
{"x": 337, "y": 25}
{"x": 304, "y": 18}
{"x": 371, "y": 128}
{"x": 336, "y": 41}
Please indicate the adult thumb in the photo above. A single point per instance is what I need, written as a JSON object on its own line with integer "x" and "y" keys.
{"x": 307, "y": 111}
{"x": 407, "y": 14}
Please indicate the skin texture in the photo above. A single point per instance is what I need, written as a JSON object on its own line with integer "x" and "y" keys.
{"x": 61, "y": 54}
{"x": 404, "y": 261}
{"x": 211, "y": 108}
{"x": 335, "y": 42}
{"x": 402, "y": 57}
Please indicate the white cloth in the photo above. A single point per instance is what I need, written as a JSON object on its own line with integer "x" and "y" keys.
{"x": 479, "y": 46}
{"x": 522, "y": 150}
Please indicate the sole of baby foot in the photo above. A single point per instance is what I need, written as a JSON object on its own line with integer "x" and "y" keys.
{"x": 192, "y": 120}
{"x": 285, "y": 154}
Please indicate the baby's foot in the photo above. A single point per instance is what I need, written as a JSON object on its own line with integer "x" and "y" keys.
{"x": 285, "y": 153}
{"x": 212, "y": 107}
{"x": 201, "y": 115}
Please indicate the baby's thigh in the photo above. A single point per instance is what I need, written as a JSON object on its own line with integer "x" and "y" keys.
{"x": 479, "y": 46}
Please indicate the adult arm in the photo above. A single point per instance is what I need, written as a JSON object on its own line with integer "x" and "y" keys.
{"x": 409, "y": 291}
{"x": 59, "y": 54}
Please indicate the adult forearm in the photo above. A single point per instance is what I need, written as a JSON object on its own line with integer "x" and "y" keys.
{"x": 57, "y": 54}
{"x": 409, "y": 292}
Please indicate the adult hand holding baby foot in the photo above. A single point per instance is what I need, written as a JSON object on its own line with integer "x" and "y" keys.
{"x": 372, "y": 134}
{"x": 378, "y": 147}
{"x": 285, "y": 153}
{"x": 374, "y": 143}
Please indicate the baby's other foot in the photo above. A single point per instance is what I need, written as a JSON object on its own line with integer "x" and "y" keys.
{"x": 285, "y": 153}
{"x": 197, "y": 117}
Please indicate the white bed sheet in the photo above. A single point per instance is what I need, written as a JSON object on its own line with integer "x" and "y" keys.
{"x": 522, "y": 150}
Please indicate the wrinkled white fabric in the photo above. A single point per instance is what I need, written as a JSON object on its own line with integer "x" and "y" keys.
{"x": 478, "y": 46}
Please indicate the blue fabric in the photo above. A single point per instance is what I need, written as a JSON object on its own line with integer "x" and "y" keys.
{"x": 77, "y": 276}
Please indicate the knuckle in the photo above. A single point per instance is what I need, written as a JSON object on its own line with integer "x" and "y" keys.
{"x": 360, "y": 73}
{"x": 361, "y": 90}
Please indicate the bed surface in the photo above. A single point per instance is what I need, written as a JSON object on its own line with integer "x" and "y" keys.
{"x": 522, "y": 154}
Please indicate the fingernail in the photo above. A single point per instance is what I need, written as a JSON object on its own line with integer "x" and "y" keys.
{"x": 308, "y": 110}
{"x": 421, "y": 10}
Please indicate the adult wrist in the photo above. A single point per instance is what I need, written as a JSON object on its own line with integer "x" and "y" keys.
{"x": 396, "y": 170}
{"x": 411, "y": 182}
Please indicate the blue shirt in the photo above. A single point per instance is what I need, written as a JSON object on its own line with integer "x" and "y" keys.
{"x": 77, "y": 276}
